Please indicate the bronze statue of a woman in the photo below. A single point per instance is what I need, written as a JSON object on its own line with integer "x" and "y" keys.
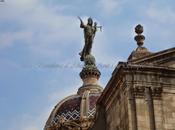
{"x": 89, "y": 34}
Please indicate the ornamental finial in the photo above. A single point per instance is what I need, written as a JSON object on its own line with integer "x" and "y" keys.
{"x": 139, "y": 38}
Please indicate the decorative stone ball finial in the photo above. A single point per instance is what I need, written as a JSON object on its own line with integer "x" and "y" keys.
{"x": 139, "y": 38}
{"x": 89, "y": 60}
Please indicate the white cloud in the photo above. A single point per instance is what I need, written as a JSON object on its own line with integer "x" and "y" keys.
{"x": 162, "y": 15}
{"x": 42, "y": 26}
{"x": 37, "y": 120}
{"x": 57, "y": 96}
{"x": 29, "y": 121}
{"x": 159, "y": 26}
{"x": 9, "y": 38}
{"x": 44, "y": 30}
{"x": 101, "y": 42}
{"x": 110, "y": 6}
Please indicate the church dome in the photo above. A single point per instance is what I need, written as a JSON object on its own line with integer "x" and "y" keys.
{"x": 71, "y": 109}
{"x": 77, "y": 111}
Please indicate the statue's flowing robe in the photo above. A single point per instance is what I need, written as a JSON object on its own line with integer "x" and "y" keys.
{"x": 89, "y": 34}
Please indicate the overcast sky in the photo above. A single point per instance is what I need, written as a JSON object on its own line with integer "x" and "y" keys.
{"x": 40, "y": 41}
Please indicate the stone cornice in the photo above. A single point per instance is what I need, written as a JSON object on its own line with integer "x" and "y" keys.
{"x": 119, "y": 74}
{"x": 154, "y": 56}
{"x": 139, "y": 91}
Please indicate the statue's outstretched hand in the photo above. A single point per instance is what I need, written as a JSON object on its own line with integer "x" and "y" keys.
{"x": 81, "y": 24}
{"x": 79, "y": 18}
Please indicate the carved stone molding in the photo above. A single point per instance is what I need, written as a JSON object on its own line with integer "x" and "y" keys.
{"x": 139, "y": 91}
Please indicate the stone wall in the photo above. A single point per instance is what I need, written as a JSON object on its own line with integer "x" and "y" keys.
{"x": 117, "y": 113}
{"x": 142, "y": 114}
{"x": 168, "y": 107}
{"x": 139, "y": 98}
{"x": 162, "y": 86}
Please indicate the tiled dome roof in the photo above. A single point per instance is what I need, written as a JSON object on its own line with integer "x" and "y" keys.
{"x": 70, "y": 108}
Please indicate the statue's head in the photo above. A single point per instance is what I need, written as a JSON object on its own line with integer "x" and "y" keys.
{"x": 90, "y": 21}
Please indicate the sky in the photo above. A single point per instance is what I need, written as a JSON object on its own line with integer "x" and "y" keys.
{"x": 40, "y": 41}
